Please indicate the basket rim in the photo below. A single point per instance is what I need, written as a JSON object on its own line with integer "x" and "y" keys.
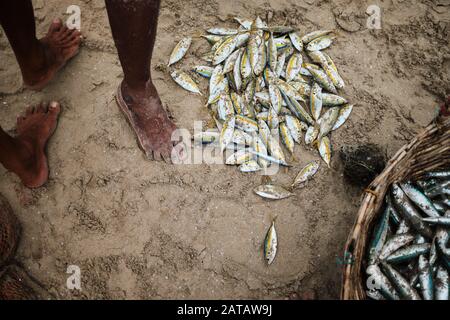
{"x": 377, "y": 188}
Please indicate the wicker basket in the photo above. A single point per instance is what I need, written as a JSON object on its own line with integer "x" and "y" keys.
{"x": 429, "y": 150}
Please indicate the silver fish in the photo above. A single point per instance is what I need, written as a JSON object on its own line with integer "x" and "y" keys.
{"x": 185, "y": 81}
{"x": 332, "y": 72}
{"x": 264, "y": 131}
{"x": 311, "y": 134}
{"x": 286, "y": 137}
{"x": 293, "y": 67}
{"x": 442, "y": 284}
{"x": 246, "y": 124}
{"x": 315, "y": 101}
{"x": 317, "y": 57}
{"x": 253, "y": 48}
{"x": 224, "y": 50}
{"x": 275, "y": 149}
{"x": 445, "y": 221}
{"x": 269, "y": 158}
{"x": 438, "y": 174}
{"x": 289, "y": 91}
{"x": 273, "y": 192}
{"x": 275, "y": 97}
{"x": 422, "y": 201}
{"x": 319, "y": 43}
{"x": 379, "y": 237}
{"x": 242, "y": 38}
{"x": 264, "y": 116}
{"x": 249, "y": 166}
{"x": 246, "y": 68}
{"x": 406, "y": 209}
{"x": 296, "y": 41}
{"x": 425, "y": 278}
{"x": 382, "y": 282}
{"x": 263, "y": 98}
{"x": 270, "y": 244}
{"x": 272, "y": 53}
{"x": 262, "y": 57}
{"x": 295, "y": 127}
{"x": 220, "y": 89}
{"x": 280, "y": 64}
{"x": 322, "y": 79}
{"x": 327, "y": 121}
{"x": 260, "y": 147}
{"x": 259, "y": 24}
{"x": 315, "y": 34}
{"x": 408, "y": 253}
{"x": 297, "y": 109}
{"x": 246, "y": 24}
{"x": 329, "y": 99}
{"x": 306, "y": 173}
{"x": 237, "y": 102}
{"x": 401, "y": 284}
{"x": 226, "y": 134}
{"x": 225, "y": 106}
{"x": 344, "y": 113}
{"x": 241, "y": 138}
{"x": 180, "y": 50}
{"x": 223, "y": 31}
{"x": 304, "y": 89}
{"x": 239, "y": 157}
{"x": 395, "y": 243}
{"x": 325, "y": 150}
{"x": 206, "y": 137}
{"x": 230, "y": 61}
{"x": 280, "y": 29}
{"x": 212, "y": 39}
{"x": 273, "y": 118}
{"x": 237, "y": 71}
{"x": 204, "y": 71}
{"x": 216, "y": 78}
{"x": 403, "y": 227}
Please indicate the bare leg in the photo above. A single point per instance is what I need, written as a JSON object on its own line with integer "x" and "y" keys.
{"x": 134, "y": 41}
{"x": 25, "y": 154}
{"x": 39, "y": 60}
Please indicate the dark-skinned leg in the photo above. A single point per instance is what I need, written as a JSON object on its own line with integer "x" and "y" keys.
{"x": 25, "y": 154}
{"x": 39, "y": 60}
{"x": 134, "y": 41}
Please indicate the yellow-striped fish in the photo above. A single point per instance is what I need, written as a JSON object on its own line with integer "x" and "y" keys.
{"x": 180, "y": 50}
{"x": 325, "y": 150}
{"x": 185, "y": 81}
{"x": 286, "y": 137}
{"x": 270, "y": 244}
{"x": 315, "y": 100}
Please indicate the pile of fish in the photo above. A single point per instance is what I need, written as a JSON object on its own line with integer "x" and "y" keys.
{"x": 266, "y": 84}
{"x": 409, "y": 254}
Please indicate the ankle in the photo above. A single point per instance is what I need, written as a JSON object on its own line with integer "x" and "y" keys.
{"x": 138, "y": 86}
{"x": 35, "y": 61}
{"x": 18, "y": 155}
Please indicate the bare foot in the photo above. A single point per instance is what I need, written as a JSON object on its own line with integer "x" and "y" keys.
{"x": 56, "y": 48}
{"x": 34, "y": 129}
{"x": 150, "y": 121}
